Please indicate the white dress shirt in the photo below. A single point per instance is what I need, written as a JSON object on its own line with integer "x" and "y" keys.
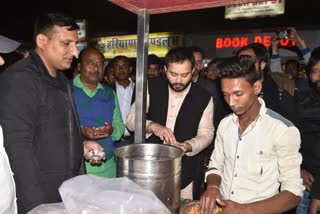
{"x": 254, "y": 164}
{"x": 124, "y": 98}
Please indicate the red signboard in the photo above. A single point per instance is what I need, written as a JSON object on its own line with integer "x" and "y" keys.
{"x": 241, "y": 41}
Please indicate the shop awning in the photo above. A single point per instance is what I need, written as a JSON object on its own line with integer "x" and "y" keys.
{"x": 167, "y": 6}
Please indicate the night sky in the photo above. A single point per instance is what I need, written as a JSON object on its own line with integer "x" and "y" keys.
{"x": 105, "y": 18}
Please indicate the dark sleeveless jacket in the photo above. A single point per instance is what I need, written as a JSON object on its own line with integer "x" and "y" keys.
{"x": 187, "y": 121}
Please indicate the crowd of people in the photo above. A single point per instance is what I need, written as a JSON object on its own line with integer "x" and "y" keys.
{"x": 248, "y": 128}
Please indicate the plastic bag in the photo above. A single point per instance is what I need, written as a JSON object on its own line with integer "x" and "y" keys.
{"x": 56, "y": 208}
{"x": 89, "y": 194}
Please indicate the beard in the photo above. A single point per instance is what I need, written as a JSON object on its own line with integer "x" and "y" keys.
{"x": 179, "y": 87}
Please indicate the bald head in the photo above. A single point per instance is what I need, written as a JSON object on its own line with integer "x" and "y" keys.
{"x": 89, "y": 50}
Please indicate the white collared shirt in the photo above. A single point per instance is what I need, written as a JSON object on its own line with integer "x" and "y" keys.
{"x": 253, "y": 164}
{"x": 124, "y": 98}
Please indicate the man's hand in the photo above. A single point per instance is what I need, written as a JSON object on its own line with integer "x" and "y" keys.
{"x": 275, "y": 44}
{"x": 208, "y": 200}
{"x": 186, "y": 147}
{"x": 314, "y": 206}
{"x": 91, "y": 145}
{"x": 106, "y": 129}
{"x": 232, "y": 207}
{"x": 164, "y": 133}
{"x": 307, "y": 179}
{"x": 296, "y": 37}
{"x": 97, "y": 133}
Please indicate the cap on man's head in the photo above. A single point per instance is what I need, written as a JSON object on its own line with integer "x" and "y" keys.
{"x": 7, "y": 45}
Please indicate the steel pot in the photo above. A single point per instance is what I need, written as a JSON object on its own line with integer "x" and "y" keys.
{"x": 156, "y": 167}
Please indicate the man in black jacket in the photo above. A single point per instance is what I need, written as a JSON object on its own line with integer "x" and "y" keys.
{"x": 308, "y": 107}
{"x": 41, "y": 129}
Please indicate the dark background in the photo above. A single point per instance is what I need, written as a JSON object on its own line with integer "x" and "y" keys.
{"x": 105, "y": 18}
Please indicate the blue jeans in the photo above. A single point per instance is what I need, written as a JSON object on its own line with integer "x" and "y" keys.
{"x": 303, "y": 207}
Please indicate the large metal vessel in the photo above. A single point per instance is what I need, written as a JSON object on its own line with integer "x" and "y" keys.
{"x": 155, "y": 167}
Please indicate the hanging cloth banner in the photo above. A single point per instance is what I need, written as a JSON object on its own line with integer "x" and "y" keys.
{"x": 255, "y": 9}
{"x": 159, "y": 44}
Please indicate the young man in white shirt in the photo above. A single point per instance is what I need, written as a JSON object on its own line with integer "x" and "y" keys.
{"x": 125, "y": 90}
{"x": 256, "y": 150}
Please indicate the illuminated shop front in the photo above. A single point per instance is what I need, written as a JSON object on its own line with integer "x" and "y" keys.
{"x": 159, "y": 44}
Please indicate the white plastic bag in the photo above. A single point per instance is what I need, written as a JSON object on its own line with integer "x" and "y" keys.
{"x": 55, "y": 208}
{"x": 8, "y": 189}
{"x": 89, "y": 194}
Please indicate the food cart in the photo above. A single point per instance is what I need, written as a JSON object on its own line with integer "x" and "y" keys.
{"x": 143, "y": 9}
{"x": 149, "y": 177}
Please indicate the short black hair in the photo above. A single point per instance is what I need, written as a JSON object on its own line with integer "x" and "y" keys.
{"x": 214, "y": 61}
{"x": 45, "y": 22}
{"x": 236, "y": 67}
{"x": 259, "y": 49}
{"x": 261, "y": 53}
{"x": 314, "y": 59}
{"x": 153, "y": 59}
{"x": 196, "y": 49}
{"x": 119, "y": 57}
{"x": 292, "y": 61}
{"x": 179, "y": 55}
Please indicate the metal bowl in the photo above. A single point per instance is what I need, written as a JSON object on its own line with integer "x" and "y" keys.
{"x": 193, "y": 207}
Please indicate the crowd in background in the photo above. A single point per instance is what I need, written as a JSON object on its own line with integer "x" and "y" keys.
{"x": 99, "y": 104}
